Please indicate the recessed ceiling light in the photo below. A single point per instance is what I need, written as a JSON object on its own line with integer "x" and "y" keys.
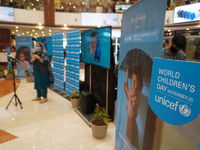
{"x": 49, "y": 30}
{"x": 187, "y": 29}
{"x": 22, "y": 33}
{"x": 39, "y": 24}
{"x": 33, "y": 30}
{"x": 65, "y": 25}
{"x": 13, "y": 32}
{"x": 16, "y": 27}
{"x": 27, "y": 32}
{"x": 16, "y": 30}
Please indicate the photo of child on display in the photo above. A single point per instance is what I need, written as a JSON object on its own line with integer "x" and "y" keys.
{"x": 23, "y": 55}
{"x": 137, "y": 66}
{"x": 23, "y": 64}
{"x": 133, "y": 99}
{"x": 93, "y": 47}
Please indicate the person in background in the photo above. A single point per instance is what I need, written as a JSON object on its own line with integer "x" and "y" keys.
{"x": 165, "y": 43}
{"x": 175, "y": 49}
{"x": 40, "y": 62}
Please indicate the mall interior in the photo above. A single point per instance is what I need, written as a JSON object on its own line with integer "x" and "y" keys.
{"x": 65, "y": 26}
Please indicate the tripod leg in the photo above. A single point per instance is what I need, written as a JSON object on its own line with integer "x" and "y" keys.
{"x": 20, "y": 103}
{"x": 10, "y": 102}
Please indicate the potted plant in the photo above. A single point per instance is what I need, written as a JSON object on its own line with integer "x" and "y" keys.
{"x": 29, "y": 77}
{"x": 9, "y": 75}
{"x": 2, "y": 72}
{"x": 99, "y": 123}
{"x": 75, "y": 99}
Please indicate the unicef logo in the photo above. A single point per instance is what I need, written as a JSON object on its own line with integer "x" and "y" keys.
{"x": 184, "y": 110}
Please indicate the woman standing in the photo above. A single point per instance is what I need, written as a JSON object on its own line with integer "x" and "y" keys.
{"x": 40, "y": 62}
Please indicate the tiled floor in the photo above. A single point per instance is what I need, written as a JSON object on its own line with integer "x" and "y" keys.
{"x": 50, "y": 126}
{"x": 6, "y": 86}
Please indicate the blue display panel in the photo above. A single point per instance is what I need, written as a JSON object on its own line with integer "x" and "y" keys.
{"x": 58, "y": 60}
{"x": 96, "y": 46}
{"x": 73, "y": 61}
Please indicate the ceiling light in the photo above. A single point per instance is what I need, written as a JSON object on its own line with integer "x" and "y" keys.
{"x": 187, "y": 29}
{"x": 42, "y": 31}
{"x": 169, "y": 30}
{"x": 49, "y": 30}
{"x": 31, "y": 34}
{"x": 22, "y": 33}
{"x": 35, "y": 33}
{"x": 27, "y": 32}
{"x": 34, "y": 9}
{"x": 65, "y": 25}
{"x": 13, "y": 32}
{"x": 16, "y": 27}
{"x": 49, "y": 33}
{"x": 16, "y": 30}
{"x": 33, "y": 30}
{"x": 39, "y": 24}
{"x": 99, "y": 26}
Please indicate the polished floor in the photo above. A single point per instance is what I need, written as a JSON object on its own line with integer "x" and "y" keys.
{"x": 50, "y": 126}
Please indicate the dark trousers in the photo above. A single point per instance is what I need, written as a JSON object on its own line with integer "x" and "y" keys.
{"x": 42, "y": 92}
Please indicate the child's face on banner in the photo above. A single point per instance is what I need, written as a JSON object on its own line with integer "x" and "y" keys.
{"x": 22, "y": 57}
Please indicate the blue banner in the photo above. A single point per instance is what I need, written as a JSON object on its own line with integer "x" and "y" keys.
{"x": 58, "y": 60}
{"x": 141, "y": 41}
{"x": 9, "y": 61}
{"x": 47, "y": 42}
{"x": 175, "y": 92}
{"x": 23, "y": 54}
{"x": 73, "y": 61}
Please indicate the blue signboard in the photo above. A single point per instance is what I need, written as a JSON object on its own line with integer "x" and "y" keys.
{"x": 141, "y": 41}
{"x": 58, "y": 60}
{"x": 23, "y": 54}
{"x": 9, "y": 61}
{"x": 73, "y": 61}
{"x": 175, "y": 92}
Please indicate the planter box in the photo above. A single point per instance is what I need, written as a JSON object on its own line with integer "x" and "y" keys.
{"x": 2, "y": 74}
{"x": 29, "y": 79}
{"x": 99, "y": 132}
{"x": 75, "y": 102}
{"x": 9, "y": 76}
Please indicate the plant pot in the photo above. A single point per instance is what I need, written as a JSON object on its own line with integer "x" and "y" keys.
{"x": 75, "y": 102}
{"x": 99, "y": 132}
{"x": 29, "y": 79}
{"x": 9, "y": 76}
{"x": 2, "y": 74}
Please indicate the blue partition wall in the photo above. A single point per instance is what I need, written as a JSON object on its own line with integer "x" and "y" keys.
{"x": 58, "y": 60}
{"x": 73, "y": 61}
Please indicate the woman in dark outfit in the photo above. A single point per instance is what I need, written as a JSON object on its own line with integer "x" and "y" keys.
{"x": 40, "y": 62}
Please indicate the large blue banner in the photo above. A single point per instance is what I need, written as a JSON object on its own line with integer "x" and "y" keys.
{"x": 23, "y": 54}
{"x": 73, "y": 61}
{"x": 141, "y": 40}
{"x": 58, "y": 60}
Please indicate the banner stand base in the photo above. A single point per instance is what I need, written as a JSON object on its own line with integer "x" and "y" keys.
{"x": 86, "y": 117}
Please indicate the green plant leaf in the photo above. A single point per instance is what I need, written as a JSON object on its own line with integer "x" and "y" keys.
{"x": 105, "y": 120}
